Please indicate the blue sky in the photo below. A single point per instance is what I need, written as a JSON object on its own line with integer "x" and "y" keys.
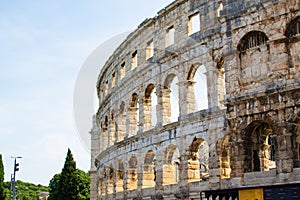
{"x": 43, "y": 47}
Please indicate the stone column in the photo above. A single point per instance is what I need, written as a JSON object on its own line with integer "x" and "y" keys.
{"x": 147, "y": 114}
{"x": 93, "y": 185}
{"x": 189, "y": 98}
{"x": 112, "y": 132}
{"x": 95, "y": 150}
{"x": 132, "y": 121}
{"x": 158, "y": 171}
{"x": 166, "y": 106}
{"x": 104, "y": 138}
{"x": 159, "y": 107}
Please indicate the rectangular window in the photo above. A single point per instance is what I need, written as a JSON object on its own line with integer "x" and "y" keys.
{"x": 150, "y": 50}
{"x": 194, "y": 23}
{"x": 113, "y": 80}
{"x": 122, "y": 70}
{"x": 134, "y": 60}
{"x": 170, "y": 36}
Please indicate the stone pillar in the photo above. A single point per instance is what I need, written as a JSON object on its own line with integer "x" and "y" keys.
{"x": 159, "y": 107}
{"x": 112, "y": 132}
{"x": 139, "y": 178}
{"x": 147, "y": 113}
{"x": 132, "y": 121}
{"x": 95, "y": 143}
{"x": 158, "y": 171}
{"x": 104, "y": 138}
{"x": 189, "y": 94}
{"x": 183, "y": 170}
{"x": 284, "y": 154}
{"x": 166, "y": 106}
{"x": 93, "y": 185}
{"x": 121, "y": 127}
{"x": 95, "y": 150}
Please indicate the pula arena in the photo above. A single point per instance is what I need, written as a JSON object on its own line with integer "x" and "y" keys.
{"x": 204, "y": 96}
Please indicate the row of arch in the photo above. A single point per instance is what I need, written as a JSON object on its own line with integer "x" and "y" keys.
{"x": 119, "y": 177}
{"x": 129, "y": 119}
{"x": 156, "y": 106}
{"x": 259, "y": 146}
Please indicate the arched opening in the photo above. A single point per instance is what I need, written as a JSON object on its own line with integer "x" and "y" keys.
{"x": 259, "y": 147}
{"x": 134, "y": 114}
{"x": 149, "y": 170}
{"x": 132, "y": 173}
{"x": 111, "y": 179}
{"x": 121, "y": 122}
{"x": 170, "y": 100}
{"x": 198, "y": 160}
{"x": 171, "y": 165}
{"x": 150, "y": 102}
{"x": 295, "y": 131}
{"x": 120, "y": 177}
{"x": 200, "y": 88}
{"x": 292, "y": 33}
{"x": 254, "y": 51}
{"x": 225, "y": 158}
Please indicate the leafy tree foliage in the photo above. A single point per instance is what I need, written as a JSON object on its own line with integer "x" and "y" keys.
{"x": 71, "y": 183}
{"x": 53, "y": 185}
{"x": 26, "y": 190}
{"x": 2, "y": 191}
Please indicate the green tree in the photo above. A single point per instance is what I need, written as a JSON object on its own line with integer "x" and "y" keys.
{"x": 53, "y": 187}
{"x": 2, "y": 191}
{"x": 83, "y": 181}
{"x": 71, "y": 183}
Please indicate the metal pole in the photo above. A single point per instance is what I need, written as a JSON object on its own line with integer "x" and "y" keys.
{"x": 11, "y": 185}
{"x": 13, "y": 182}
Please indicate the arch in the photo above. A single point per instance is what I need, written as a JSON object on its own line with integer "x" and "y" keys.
{"x": 150, "y": 102}
{"x": 294, "y": 129}
{"x": 259, "y": 147}
{"x": 120, "y": 177}
{"x": 253, "y": 51}
{"x": 252, "y": 39}
{"x": 132, "y": 173}
{"x": 197, "y": 96}
{"x": 149, "y": 170}
{"x": 133, "y": 114}
{"x": 171, "y": 165}
{"x": 198, "y": 160}
{"x": 225, "y": 158}
{"x": 170, "y": 99}
{"x": 293, "y": 46}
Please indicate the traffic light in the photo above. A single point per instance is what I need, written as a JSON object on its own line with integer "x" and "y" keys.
{"x": 16, "y": 167}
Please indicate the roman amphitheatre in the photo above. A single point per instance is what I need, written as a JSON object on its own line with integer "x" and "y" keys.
{"x": 200, "y": 102}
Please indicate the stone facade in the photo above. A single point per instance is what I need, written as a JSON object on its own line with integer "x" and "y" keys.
{"x": 203, "y": 96}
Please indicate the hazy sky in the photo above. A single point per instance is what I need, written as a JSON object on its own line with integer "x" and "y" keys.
{"x": 43, "y": 47}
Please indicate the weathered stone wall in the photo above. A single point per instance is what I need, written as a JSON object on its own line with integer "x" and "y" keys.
{"x": 247, "y": 130}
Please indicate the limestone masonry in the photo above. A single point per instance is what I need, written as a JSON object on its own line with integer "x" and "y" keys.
{"x": 204, "y": 96}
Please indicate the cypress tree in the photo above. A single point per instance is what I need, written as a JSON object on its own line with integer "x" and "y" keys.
{"x": 71, "y": 183}
{"x": 67, "y": 189}
{"x": 2, "y": 191}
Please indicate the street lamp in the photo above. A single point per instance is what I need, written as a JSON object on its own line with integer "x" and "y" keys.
{"x": 13, "y": 178}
